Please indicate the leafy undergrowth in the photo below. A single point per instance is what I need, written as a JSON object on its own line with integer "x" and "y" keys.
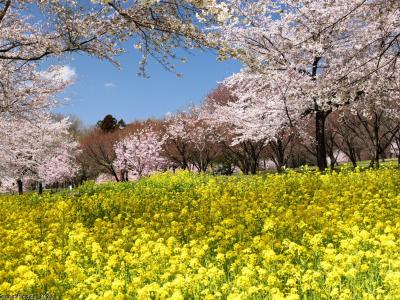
{"x": 295, "y": 236}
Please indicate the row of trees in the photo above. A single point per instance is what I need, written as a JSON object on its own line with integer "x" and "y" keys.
{"x": 53, "y": 150}
{"x": 305, "y": 62}
{"x": 39, "y": 151}
{"x": 50, "y": 149}
{"x": 207, "y": 138}
{"x": 310, "y": 58}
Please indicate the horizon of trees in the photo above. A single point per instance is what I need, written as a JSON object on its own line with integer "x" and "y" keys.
{"x": 321, "y": 74}
{"x": 202, "y": 139}
{"x": 199, "y": 139}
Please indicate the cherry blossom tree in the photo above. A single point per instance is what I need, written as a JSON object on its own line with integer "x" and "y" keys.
{"x": 24, "y": 90}
{"x": 31, "y": 149}
{"x": 30, "y": 134}
{"x": 33, "y": 30}
{"x": 140, "y": 153}
{"x": 348, "y": 141}
{"x": 376, "y": 128}
{"x": 229, "y": 122}
{"x": 311, "y": 58}
{"x": 254, "y": 120}
{"x": 189, "y": 139}
{"x": 58, "y": 168}
{"x": 177, "y": 144}
{"x": 257, "y": 111}
{"x": 280, "y": 148}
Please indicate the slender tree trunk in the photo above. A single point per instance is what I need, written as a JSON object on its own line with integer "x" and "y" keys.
{"x": 280, "y": 155}
{"x": 244, "y": 167}
{"x": 204, "y": 166}
{"x": 244, "y": 160}
{"x": 354, "y": 162}
{"x": 279, "y": 160}
{"x": 330, "y": 151}
{"x": 115, "y": 175}
{"x": 40, "y": 188}
{"x": 254, "y": 155}
{"x": 382, "y": 153}
{"x": 372, "y": 163}
{"x": 20, "y": 186}
{"x": 123, "y": 175}
{"x": 253, "y": 163}
{"x": 377, "y": 158}
{"x": 377, "y": 142}
{"x": 245, "y": 170}
{"x": 320, "y": 118}
{"x": 353, "y": 158}
{"x": 352, "y": 153}
{"x": 333, "y": 161}
{"x": 253, "y": 168}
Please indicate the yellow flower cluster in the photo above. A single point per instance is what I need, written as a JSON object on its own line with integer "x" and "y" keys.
{"x": 292, "y": 236}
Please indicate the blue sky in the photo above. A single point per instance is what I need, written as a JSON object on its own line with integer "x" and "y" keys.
{"x": 101, "y": 88}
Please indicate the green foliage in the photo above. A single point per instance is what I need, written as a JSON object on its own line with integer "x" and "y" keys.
{"x": 109, "y": 123}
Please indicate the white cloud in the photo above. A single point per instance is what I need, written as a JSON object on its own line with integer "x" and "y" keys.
{"x": 67, "y": 73}
{"x": 64, "y": 73}
{"x": 110, "y": 85}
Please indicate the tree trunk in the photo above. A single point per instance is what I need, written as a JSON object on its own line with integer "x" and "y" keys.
{"x": 245, "y": 170}
{"x": 40, "y": 188}
{"x": 244, "y": 166}
{"x": 20, "y": 186}
{"x": 352, "y": 154}
{"x": 278, "y": 168}
{"x": 115, "y": 175}
{"x": 123, "y": 175}
{"x": 353, "y": 158}
{"x": 354, "y": 162}
{"x": 333, "y": 161}
{"x": 377, "y": 163}
{"x": 253, "y": 168}
{"x": 185, "y": 165}
{"x": 279, "y": 150}
{"x": 377, "y": 142}
{"x": 372, "y": 162}
{"x": 320, "y": 118}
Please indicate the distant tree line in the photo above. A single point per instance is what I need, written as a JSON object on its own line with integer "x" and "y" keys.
{"x": 201, "y": 139}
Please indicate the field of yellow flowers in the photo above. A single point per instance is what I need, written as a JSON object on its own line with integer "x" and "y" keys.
{"x": 292, "y": 236}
